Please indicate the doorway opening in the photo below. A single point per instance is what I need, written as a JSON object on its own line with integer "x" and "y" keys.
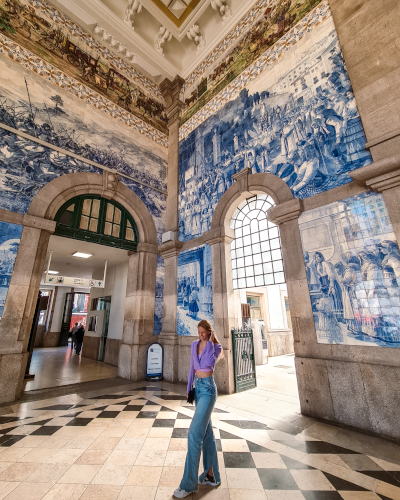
{"x": 260, "y": 291}
{"x": 84, "y": 280}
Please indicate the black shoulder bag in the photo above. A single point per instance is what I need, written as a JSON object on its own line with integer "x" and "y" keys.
{"x": 191, "y": 394}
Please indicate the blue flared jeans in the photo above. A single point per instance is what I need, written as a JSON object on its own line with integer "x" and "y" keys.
{"x": 201, "y": 436}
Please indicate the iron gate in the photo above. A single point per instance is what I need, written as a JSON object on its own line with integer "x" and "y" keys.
{"x": 244, "y": 362}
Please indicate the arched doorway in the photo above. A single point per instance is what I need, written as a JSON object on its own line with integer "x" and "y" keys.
{"x": 284, "y": 211}
{"x": 39, "y": 225}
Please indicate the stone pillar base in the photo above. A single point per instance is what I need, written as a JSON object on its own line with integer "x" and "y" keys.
{"x": 170, "y": 343}
{"x": 12, "y": 371}
{"x": 132, "y": 362}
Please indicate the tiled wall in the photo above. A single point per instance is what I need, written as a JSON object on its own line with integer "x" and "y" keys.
{"x": 353, "y": 270}
{"x": 56, "y": 117}
{"x": 10, "y": 235}
{"x": 195, "y": 295}
{"x": 298, "y": 120}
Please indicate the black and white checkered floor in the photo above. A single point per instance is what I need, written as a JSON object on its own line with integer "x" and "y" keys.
{"x": 132, "y": 445}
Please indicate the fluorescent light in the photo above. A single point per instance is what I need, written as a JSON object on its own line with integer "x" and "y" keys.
{"x": 82, "y": 255}
{"x": 52, "y": 272}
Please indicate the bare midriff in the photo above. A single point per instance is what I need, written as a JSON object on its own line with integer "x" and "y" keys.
{"x": 200, "y": 374}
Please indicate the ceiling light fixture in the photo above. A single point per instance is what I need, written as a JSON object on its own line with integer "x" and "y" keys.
{"x": 82, "y": 255}
{"x": 52, "y": 272}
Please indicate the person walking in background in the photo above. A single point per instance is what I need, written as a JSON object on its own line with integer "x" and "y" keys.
{"x": 205, "y": 352}
{"x": 72, "y": 333}
{"x": 79, "y": 339}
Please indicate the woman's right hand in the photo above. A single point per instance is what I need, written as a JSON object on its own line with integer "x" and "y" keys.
{"x": 212, "y": 336}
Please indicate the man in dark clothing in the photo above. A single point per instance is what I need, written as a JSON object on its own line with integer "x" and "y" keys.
{"x": 72, "y": 333}
{"x": 79, "y": 339}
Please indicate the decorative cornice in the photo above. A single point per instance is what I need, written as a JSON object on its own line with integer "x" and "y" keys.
{"x": 317, "y": 16}
{"x": 219, "y": 235}
{"x": 171, "y": 90}
{"x": 20, "y": 55}
{"x": 147, "y": 247}
{"x": 285, "y": 212}
{"x": 242, "y": 178}
{"x": 170, "y": 249}
{"x": 380, "y": 175}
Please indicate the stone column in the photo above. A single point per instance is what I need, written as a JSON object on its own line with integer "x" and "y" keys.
{"x": 19, "y": 309}
{"x": 225, "y": 318}
{"x": 139, "y": 312}
{"x": 170, "y": 91}
{"x": 169, "y": 336}
{"x": 171, "y": 246}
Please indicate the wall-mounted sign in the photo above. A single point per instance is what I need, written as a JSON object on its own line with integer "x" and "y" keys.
{"x": 154, "y": 362}
{"x": 70, "y": 281}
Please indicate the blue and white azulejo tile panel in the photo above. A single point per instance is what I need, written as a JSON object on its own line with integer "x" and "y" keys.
{"x": 353, "y": 270}
{"x": 297, "y": 120}
{"x": 195, "y": 295}
{"x": 10, "y": 236}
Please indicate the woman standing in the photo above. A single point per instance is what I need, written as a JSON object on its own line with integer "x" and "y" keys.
{"x": 205, "y": 352}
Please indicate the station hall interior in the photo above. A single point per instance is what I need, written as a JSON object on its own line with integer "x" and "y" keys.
{"x": 164, "y": 162}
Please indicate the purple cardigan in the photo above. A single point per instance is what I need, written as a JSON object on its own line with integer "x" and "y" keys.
{"x": 205, "y": 362}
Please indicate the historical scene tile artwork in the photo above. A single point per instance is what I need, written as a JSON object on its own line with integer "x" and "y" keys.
{"x": 29, "y": 104}
{"x": 299, "y": 122}
{"x": 195, "y": 296}
{"x": 258, "y": 36}
{"x": 10, "y": 235}
{"x": 353, "y": 271}
{"x": 45, "y": 32}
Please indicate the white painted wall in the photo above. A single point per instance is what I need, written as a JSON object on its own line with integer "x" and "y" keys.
{"x": 276, "y": 313}
{"x": 115, "y": 286}
{"x": 59, "y": 308}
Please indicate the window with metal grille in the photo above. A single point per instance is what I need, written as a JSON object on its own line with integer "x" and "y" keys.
{"x": 95, "y": 219}
{"x": 256, "y": 250}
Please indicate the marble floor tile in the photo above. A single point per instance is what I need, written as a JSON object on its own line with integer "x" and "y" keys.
{"x": 166, "y": 492}
{"x": 171, "y": 476}
{"x": 236, "y": 478}
{"x": 175, "y": 459}
{"x": 93, "y": 457}
{"x": 243, "y": 494}
{"x": 6, "y": 488}
{"x": 101, "y": 492}
{"x": 69, "y": 431}
{"x": 177, "y": 445}
{"x": 312, "y": 480}
{"x": 284, "y": 495}
{"x": 359, "y": 495}
{"x": 160, "y": 432}
{"x": 104, "y": 443}
{"x": 144, "y": 476}
{"x": 65, "y": 492}
{"x": 128, "y": 443}
{"x": 14, "y": 454}
{"x": 122, "y": 457}
{"x": 111, "y": 473}
{"x": 19, "y": 472}
{"x": 80, "y": 474}
{"x": 137, "y": 493}
{"x": 268, "y": 461}
{"x": 48, "y": 473}
{"x": 235, "y": 445}
{"x": 360, "y": 462}
{"x": 31, "y": 491}
{"x": 151, "y": 458}
{"x": 161, "y": 444}
{"x": 65, "y": 456}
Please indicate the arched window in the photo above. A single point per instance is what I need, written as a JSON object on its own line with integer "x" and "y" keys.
{"x": 256, "y": 250}
{"x": 95, "y": 219}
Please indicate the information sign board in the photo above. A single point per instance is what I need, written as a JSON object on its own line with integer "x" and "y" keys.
{"x": 154, "y": 362}
{"x": 70, "y": 281}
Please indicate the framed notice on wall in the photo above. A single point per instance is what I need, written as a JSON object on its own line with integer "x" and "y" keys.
{"x": 154, "y": 362}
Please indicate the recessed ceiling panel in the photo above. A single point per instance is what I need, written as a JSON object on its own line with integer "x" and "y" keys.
{"x": 177, "y": 10}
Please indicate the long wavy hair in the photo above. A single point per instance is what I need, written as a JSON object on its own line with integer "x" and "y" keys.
{"x": 204, "y": 323}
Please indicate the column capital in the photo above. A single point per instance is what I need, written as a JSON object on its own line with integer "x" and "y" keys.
{"x": 170, "y": 249}
{"x": 219, "y": 235}
{"x": 173, "y": 112}
{"x": 171, "y": 90}
{"x": 380, "y": 175}
{"x": 290, "y": 210}
{"x": 242, "y": 178}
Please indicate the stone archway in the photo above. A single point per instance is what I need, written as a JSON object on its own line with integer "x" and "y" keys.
{"x": 25, "y": 281}
{"x": 285, "y": 214}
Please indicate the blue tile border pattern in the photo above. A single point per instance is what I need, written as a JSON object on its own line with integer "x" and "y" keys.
{"x": 353, "y": 271}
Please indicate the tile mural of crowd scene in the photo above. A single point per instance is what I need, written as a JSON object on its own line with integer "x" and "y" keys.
{"x": 299, "y": 122}
{"x": 10, "y": 235}
{"x": 195, "y": 295}
{"x": 41, "y": 29}
{"x": 353, "y": 270}
{"x": 29, "y": 104}
{"x": 279, "y": 17}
